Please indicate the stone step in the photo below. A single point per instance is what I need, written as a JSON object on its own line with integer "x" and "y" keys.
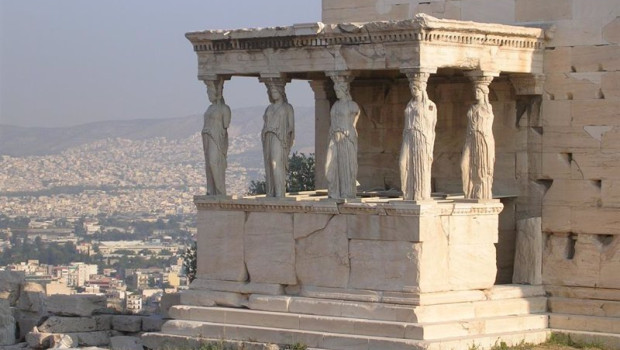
{"x": 485, "y": 326}
{"x": 396, "y": 312}
{"x": 341, "y": 325}
{"x": 161, "y": 341}
{"x": 589, "y": 307}
{"x": 322, "y": 340}
{"x": 362, "y": 327}
{"x": 493, "y": 341}
{"x": 585, "y": 323}
{"x": 264, "y": 338}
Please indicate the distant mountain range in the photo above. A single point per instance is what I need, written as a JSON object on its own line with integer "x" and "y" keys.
{"x": 33, "y": 141}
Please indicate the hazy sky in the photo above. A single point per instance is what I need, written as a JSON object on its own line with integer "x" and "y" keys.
{"x": 69, "y": 62}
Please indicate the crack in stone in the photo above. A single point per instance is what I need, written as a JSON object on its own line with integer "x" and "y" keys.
{"x": 317, "y": 230}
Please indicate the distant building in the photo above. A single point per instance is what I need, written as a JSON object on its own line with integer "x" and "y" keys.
{"x": 133, "y": 303}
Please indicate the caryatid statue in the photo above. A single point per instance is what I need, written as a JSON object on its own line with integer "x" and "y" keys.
{"x": 478, "y": 160}
{"x": 341, "y": 160}
{"x": 278, "y": 135}
{"x": 416, "y": 153}
{"x": 215, "y": 138}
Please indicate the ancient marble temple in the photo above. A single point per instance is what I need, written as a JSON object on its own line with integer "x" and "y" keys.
{"x": 399, "y": 249}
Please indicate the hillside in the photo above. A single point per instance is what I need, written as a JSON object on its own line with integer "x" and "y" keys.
{"x": 138, "y": 166}
{"x": 32, "y": 141}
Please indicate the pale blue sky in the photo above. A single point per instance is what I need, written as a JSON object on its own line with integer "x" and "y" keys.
{"x": 69, "y": 62}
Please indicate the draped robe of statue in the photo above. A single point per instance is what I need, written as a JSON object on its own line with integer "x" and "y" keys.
{"x": 341, "y": 163}
{"x": 478, "y": 161}
{"x": 215, "y": 146}
{"x": 277, "y": 137}
{"x": 416, "y": 155}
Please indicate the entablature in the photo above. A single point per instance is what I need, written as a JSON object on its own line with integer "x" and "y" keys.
{"x": 423, "y": 41}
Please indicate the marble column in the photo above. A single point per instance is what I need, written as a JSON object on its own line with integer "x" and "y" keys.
{"x": 278, "y": 136}
{"x": 323, "y": 99}
{"x": 416, "y": 155}
{"x": 215, "y": 136}
{"x": 478, "y": 158}
{"x": 341, "y": 160}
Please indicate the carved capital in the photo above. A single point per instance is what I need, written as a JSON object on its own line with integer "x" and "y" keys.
{"x": 341, "y": 75}
{"x": 274, "y": 80}
{"x": 214, "y": 77}
{"x": 215, "y": 86}
{"x": 417, "y": 77}
{"x": 418, "y": 69}
{"x": 531, "y": 84}
{"x": 266, "y": 76}
{"x": 483, "y": 78}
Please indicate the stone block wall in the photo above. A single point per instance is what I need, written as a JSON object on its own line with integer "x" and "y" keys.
{"x": 383, "y": 247}
{"x": 580, "y": 148}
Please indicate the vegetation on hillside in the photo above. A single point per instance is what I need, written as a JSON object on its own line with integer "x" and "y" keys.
{"x": 300, "y": 175}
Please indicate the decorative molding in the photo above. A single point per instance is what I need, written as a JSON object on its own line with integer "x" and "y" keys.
{"x": 422, "y": 28}
{"x": 333, "y": 207}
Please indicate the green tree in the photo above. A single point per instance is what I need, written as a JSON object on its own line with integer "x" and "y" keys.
{"x": 190, "y": 261}
{"x": 300, "y": 175}
{"x": 257, "y": 187}
{"x": 79, "y": 227}
{"x": 300, "y": 172}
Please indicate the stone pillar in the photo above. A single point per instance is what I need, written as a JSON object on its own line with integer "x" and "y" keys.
{"x": 215, "y": 135}
{"x": 323, "y": 99}
{"x": 416, "y": 155}
{"x": 341, "y": 159}
{"x": 529, "y": 240}
{"x": 278, "y": 136}
{"x": 478, "y": 159}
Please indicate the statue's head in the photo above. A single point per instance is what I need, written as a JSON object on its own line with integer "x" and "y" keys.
{"x": 276, "y": 92}
{"x": 342, "y": 90}
{"x": 418, "y": 88}
{"x": 214, "y": 90}
{"x": 482, "y": 93}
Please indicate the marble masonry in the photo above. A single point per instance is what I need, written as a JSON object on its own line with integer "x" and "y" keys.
{"x": 465, "y": 173}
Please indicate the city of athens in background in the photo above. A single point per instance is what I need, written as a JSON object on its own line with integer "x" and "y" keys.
{"x": 100, "y": 149}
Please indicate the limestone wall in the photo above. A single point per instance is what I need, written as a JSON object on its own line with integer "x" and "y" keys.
{"x": 375, "y": 246}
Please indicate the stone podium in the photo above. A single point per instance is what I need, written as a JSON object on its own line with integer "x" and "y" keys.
{"x": 376, "y": 273}
{"x": 370, "y": 272}
{"x": 376, "y": 246}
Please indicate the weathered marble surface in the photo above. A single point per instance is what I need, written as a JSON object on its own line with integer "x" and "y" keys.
{"x": 528, "y": 252}
{"x": 341, "y": 163}
{"x": 215, "y": 138}
{"x": 416, "y": 155}
{"x": 478, "y": 159}
{"x": 379, "y": 45}
{"x": 377, "y": 245}
{"x": 278, "y": 136}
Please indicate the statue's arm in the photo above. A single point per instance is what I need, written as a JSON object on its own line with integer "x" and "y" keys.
{"x": 290, "y": 114}
{"x": 433, "y": 112}
{"x": 356, "y": 109}
{"x": 226, "y": 117}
